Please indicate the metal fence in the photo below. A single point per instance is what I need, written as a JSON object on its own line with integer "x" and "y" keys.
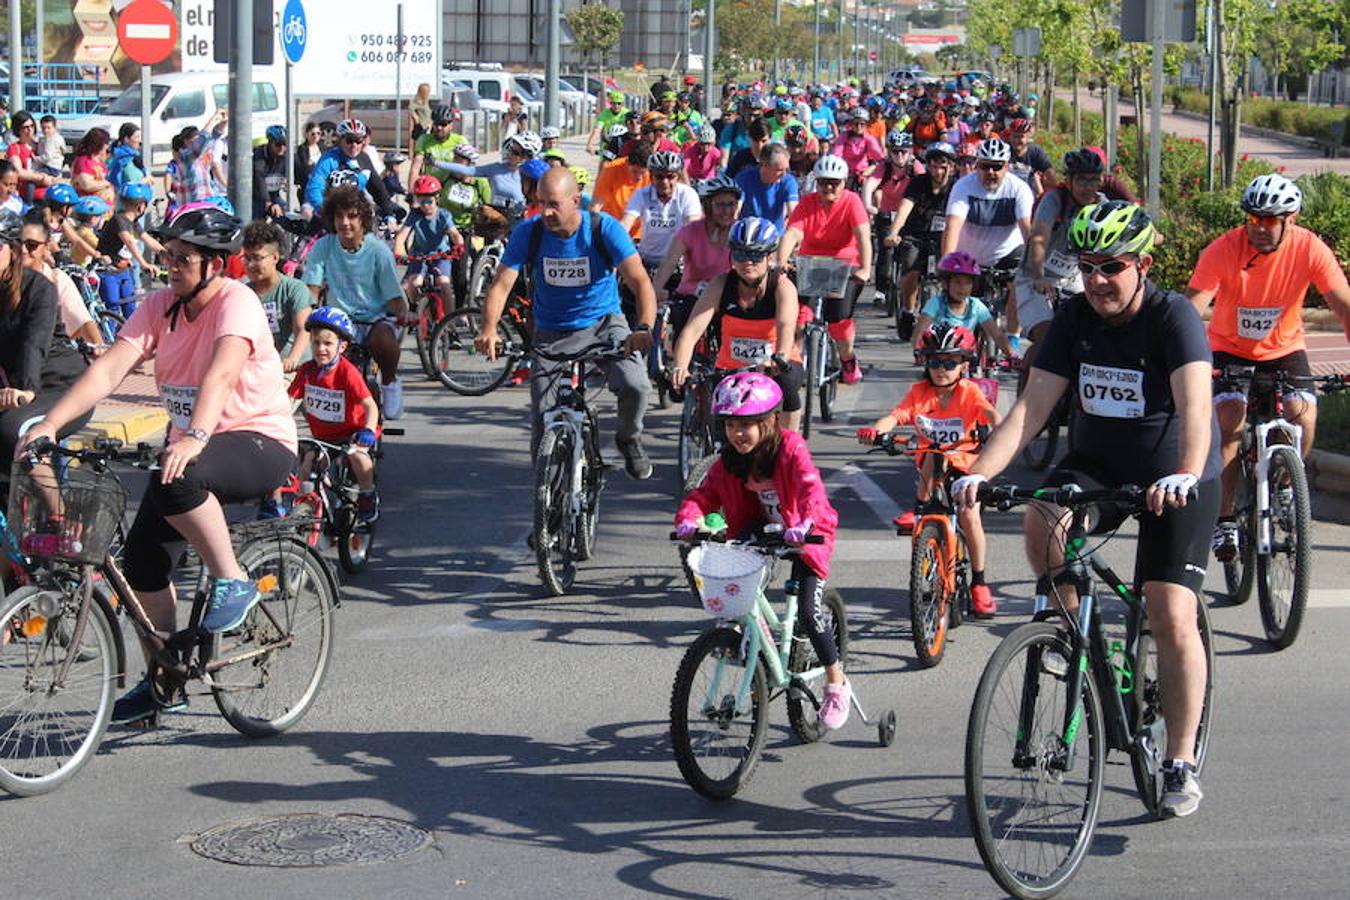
{"x": 63, "y": 90}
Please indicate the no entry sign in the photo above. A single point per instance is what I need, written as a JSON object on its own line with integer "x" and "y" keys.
{"x": 147, "y": 31}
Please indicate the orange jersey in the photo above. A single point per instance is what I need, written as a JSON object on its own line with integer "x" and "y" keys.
{"x": 939, "y": 422}
{"x": 1258, "y": 297}
{"x": 877, "y": 130}
{"x": 615, "y": 187}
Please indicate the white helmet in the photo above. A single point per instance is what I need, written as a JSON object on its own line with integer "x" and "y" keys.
{"x": 993, "y": 150}
{"x": 830, "y": 166}
{"x": 550, "y": 133}
{"x": 717, "y": 185}
{"x": 526, "y": 141}
{"x": 616, "y": 131}
{"x": 1272, "y": 195}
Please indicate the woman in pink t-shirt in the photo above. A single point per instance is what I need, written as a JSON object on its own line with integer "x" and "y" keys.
{"x": 833, "y": 222}
{"x": 89, "y": 169}
{"x": 702, "y": 247}
{"x": 231, "y": 438}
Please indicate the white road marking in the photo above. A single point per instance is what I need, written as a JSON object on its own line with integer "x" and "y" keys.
{"x": 1328, "y": 598}
{"x": 871, "y": 493}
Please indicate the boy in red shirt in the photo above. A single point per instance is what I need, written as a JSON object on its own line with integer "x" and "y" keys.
{"x": 338, "y": 404}
{"x": 944, "y": 409}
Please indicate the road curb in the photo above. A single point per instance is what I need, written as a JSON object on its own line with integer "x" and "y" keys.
{"x": 130, "y": 426}
{"x": 1258, "y": 131}
{"x": 1329, "y": 478}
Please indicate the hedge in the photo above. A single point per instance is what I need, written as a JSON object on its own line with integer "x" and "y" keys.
{"x": 1320, "y": 122}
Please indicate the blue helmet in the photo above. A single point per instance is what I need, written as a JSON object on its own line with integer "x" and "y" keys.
{"x": 334, "y": 320}
{"x": 783, "y": 104}
{"x": 533, "y": 169}
{"x": 91, "y": 206}
{"x": 754, "y": 235}
{"x": 137, "y": 191}
{"x": 62, "y": 195}
{"x": 276, "y": 134}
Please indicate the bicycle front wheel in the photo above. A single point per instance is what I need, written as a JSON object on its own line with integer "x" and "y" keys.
{"x": 689, "y": 445}
{"x": 812, "y": 359}
{"x": 266, "y": 673}
{"x": 458, "y": 364}
{"x": 929, "y": 602}
{"x": 48, "y": 731}
{"x": 109, "y": 323}
{"x": 801, "y": 714}
{"x": 552, "y": 526}
{"x": 718, "y": 745}
{"x": 1282, "y": 576}
{"x": 1033, "y": 813}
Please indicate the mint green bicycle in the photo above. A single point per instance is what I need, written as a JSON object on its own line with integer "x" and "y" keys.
{"x": 730, "y": 674}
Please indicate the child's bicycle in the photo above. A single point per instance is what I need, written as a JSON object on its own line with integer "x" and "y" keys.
{"x": 1054, "y": 699}
{"x": 939, "y": 563}
{"x": 87, "y": 281}
{"x": 429, "y": 304}
{"x": 820, "y": 278}
{"x": 720, "y": 701}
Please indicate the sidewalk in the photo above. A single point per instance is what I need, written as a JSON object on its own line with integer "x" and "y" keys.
{"x": 131, "y": 415}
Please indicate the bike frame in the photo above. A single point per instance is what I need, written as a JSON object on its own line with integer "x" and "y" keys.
{"x": 1261, "y": 435}
{"x": 571, "y": 420}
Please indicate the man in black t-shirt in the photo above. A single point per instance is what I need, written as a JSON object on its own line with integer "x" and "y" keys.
{"x": 1029, "y": 161}
{"x": 122, "y": 239}
{"x": 921, "y": 218}
{"x": 1138, "y": 363}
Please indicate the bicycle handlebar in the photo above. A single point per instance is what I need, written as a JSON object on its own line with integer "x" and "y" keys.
{"x": 896, "y": 444}
{"x": 766, "y": 543}
{"x": 600, "y": 350}
{"x": 1070, "y": 496}
{"x": 453, "y": 253}
{"x": 105, "y": 450}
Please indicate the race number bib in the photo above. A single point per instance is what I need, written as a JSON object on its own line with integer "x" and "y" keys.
{"x": 178, "y": 403}
{"x": 1256, "y": 323}
{"x": 273, "y": 315}
{"x": 461, "y": 195}
{"x": 768, "y": 499}
{"x": 750, "y": 351}
{"x": 1110, "y": 392}
{"x": 938, "y": 222}
{"x": 567, "y": 272}
{"x": 325, "y": 404}
{"x": 1060, "y": 265}
{"x": 940, "y": 431}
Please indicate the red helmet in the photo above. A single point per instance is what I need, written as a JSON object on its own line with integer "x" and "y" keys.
{"x": 1021, "y": 126}
{"x": 426, "y": 185}
{"x": 945, "y": 337}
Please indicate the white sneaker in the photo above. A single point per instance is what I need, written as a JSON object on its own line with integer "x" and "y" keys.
{"x": 1181, "y": 789}
{"x": 392, "y": 396}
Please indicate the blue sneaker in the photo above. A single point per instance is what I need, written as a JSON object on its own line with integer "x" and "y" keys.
{"x": 139, "y": 704}
{"x": 230, "y": 603}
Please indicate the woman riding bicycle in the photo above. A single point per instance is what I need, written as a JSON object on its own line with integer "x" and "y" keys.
{"x": 752, "y": 312}
{"x": 702, "y": 247}
{"x": 231, "y": 437}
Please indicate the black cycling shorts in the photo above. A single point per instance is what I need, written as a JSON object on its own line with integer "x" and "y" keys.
{"x": 1174, "y": 547}
{"x": 838, "y": 309}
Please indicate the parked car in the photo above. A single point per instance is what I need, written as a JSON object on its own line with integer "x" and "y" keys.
{"x": 388, "y": 125}
{"x": 494, "y": 86}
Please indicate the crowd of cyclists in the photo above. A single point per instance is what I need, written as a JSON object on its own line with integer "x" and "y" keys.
{"x": 1048, "y": 263}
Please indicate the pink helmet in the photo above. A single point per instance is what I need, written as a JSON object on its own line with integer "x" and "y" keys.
{"x": 958, "y": 262}
{"x": 747, "y": 395}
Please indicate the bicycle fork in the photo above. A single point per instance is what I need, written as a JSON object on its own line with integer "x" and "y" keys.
{"x": 1265, "y": 450}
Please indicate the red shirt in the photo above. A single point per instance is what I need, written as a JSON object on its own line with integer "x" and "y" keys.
{"x": 829, "y": 232}
{"x": 333, "y": 400}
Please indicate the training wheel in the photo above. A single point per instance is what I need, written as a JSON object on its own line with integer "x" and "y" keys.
{"x": 886, "y": 729}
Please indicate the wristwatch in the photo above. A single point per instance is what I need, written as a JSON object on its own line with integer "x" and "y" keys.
{"x": 199, "y": 434}
{"x": 642, "y": 326}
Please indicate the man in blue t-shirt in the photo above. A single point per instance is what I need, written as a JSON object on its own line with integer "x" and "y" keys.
{"x": 577, "y": 259}
{"x": 769, "y": 191}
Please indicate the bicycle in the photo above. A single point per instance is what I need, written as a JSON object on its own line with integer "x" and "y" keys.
{"x": 734, "y": 670}
{"x": 87, "y": 281}
{"x": 939, "y": 567}
{"x": 461, "y": 367}
{"x": 1040, "y": 452}
{"x": 1272, "y": 506}
{"x": 493, "y": 223}
{"x": 929, "y": 283}
{"x": 429, "y": 304}
{"x": 820, "y": 278}
{"x": 61, "y": 650}
{"x": 569, "y": 474}
{"x": 699, "y": 437}
{"x": 1054, "y": 699}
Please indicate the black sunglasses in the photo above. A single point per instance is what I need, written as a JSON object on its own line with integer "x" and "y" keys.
{"x": 946, "y": 363}
{"x": 747, "y": 256}
{"x": 991, "y": 167}
{"x": 33, "y": 246}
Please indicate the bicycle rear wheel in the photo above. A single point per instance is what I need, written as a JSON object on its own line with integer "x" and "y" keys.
{"x": 689, "y": 447}
{"x": 829, "y": 380}
{"x": 812, "y": 362}
{"x": 657, "y": 359}
{"x": 553, "y": 528}
{"x": 1282, "y": 576}
{"x": 929, "y": 605}
{"x": 109, "y": 323}
{"x": 801, "y": 713}
{"x": 484, "y": 270}
{"x": 433, "y": 309}
{"x": 1239, "y": 573}
{"x": 593, "y": 481}
{"x": 458, "y": 364}
{"x": 716, "y": 745}
{"x": 1033, "y": 819}
{"x": 1146, "y": 756}
{"x": 277, "y": 659}
{"x": 47, "y": 733}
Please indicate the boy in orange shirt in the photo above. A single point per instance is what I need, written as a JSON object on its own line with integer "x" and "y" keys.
{"x": 944, "y": 409}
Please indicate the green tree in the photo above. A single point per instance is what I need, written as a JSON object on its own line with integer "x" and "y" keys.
{"x": 597, "y": 29}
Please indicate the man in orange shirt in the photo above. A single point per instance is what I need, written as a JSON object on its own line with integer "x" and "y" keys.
{"x": 617, "y": 183}
{"x": 1257, "y": 275}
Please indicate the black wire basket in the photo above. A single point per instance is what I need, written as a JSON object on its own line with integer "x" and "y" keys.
{"x": 66, "y": 512}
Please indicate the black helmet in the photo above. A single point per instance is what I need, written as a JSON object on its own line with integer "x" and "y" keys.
{"x": 442, "y": 114}
{"x": 205, "y": 226}
{"x": 11, "y": 227}
{"x": 1083, "y": 162}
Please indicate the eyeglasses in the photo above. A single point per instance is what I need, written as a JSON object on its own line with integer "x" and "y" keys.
{"x": 353, "y": 139}
{"x": 426, "y": 201}
{"x": 747, "y": 256}
{"x": 943, "y": 362}
{"x": 1109, "y": 268}
{"x": 1265, "y": 221}
{"x": 257, "y": 257}
{"x": 725, "y": 204}
{"x": 991, "y": 167}
{"x": 33, "y": 246}
{"x": 828, "y": 182}
{"x": 179, "y": 260}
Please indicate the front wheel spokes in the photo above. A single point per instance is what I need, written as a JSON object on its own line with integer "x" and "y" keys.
{"x": 1283, "y": 574}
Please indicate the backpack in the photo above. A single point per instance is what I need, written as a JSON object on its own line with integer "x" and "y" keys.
{"x": 125, "y": 167}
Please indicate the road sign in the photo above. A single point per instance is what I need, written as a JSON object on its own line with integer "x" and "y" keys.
{"x": 147, "y": 31}
{"x": 1026, "y": 42}
{"x": 872, "y": 56}
{"x": 1136, "y": 21}
{"x": 294, "y": 30}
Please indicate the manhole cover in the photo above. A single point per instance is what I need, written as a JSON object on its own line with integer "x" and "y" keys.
{"x": 310, "y": 839}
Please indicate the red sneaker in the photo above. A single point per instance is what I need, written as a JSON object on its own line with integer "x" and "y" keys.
{"x": 904, "y": 523}
{"x": 982, "y": 605}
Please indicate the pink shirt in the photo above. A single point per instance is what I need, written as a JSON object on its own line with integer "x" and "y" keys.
{"x": 703, "y": 260}
{"x": 858, "y": 150}
{"x": 182, "y": 356}
{"x": 829, "y": 232}
{"x": 701, "y": 160}
{"x": 90, "y": 166}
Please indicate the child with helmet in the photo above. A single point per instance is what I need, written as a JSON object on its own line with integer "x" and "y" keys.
{"x": 338, "y": 404}
{"x": 765, "y": 476}
{"x": 945, "y": 408}
{"x": 958, "y": 271}
{"x": 431, "y": 230}
{"x": 121, "y": 239}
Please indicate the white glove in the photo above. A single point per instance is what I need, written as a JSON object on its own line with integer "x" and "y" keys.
{"x": 966, "y": 484}
{"x": 1180, "y": 484}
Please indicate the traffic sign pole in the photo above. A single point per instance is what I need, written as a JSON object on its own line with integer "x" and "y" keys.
{"x": 294, "y": 37}
{"x": 147, "y": 148}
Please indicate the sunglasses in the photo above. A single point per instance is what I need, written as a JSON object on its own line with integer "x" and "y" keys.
{"x": 179, "y": 260}
{"x": 1109, "y": 268}
{"x": 426, "y": 201}
{"x": 747, "y": 256}
{"x": 1265, "y": 221}
{"x": 991, "y": 167}
{"x": 944, "y": 363}
{"x": 352, "y": 139}
{"x": 828, "y": 182}
{"x": 33, "y": 246}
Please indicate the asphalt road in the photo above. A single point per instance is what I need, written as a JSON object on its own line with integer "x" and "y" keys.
{"x": 528, "y": 735}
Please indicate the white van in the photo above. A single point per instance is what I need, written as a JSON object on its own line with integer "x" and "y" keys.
{"x": 178, "y": 100}
{"x": 495, "y": 86}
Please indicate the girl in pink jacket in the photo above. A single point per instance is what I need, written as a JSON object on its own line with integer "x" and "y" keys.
{"x": 766, "y": 476}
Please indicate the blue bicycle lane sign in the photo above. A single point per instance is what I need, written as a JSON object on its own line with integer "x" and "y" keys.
{"x": 294, "y": 30}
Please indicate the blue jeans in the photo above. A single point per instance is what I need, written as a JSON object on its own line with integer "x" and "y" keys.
{"x": 116, "y": 289}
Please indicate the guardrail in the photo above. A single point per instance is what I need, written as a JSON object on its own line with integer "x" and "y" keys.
{"x": 63, "y": 90}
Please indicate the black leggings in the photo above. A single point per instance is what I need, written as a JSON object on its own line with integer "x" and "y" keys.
{"x": 837, "y": 309}
{"x": 236, "y": 466}
{"x": 11, "y": 420}
{"x": 813, "y": 616}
